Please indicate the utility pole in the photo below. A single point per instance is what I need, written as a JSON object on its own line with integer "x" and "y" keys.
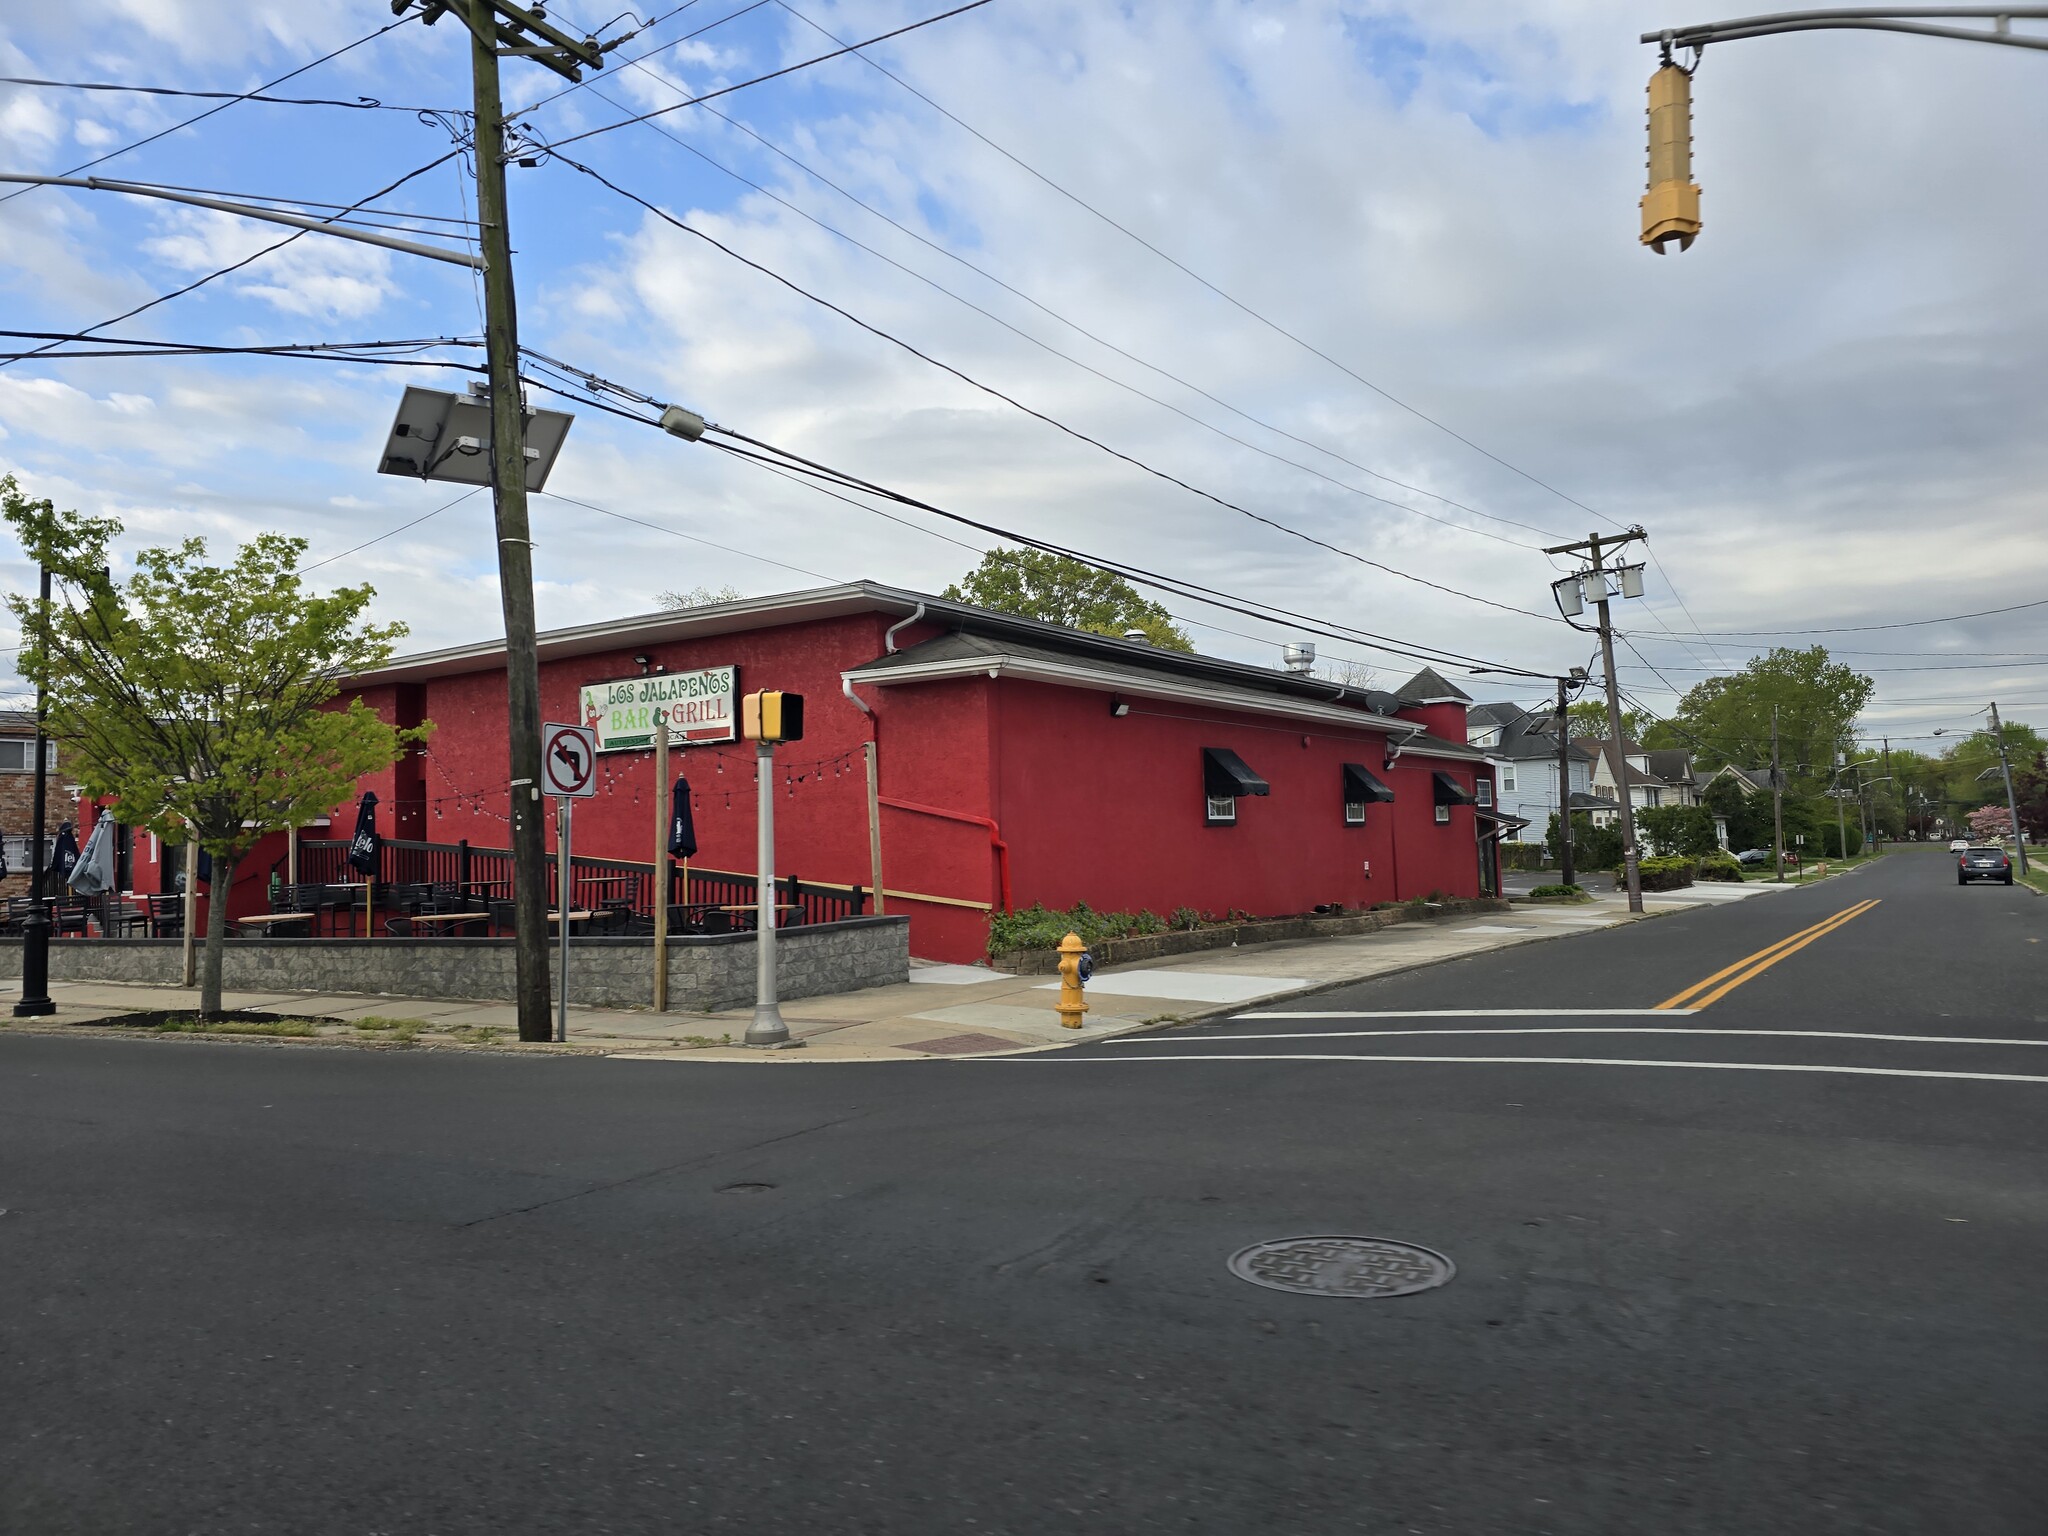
{"x": 1564, "y": 789}
{"x": 2012, "y": 805}
{"x": 1592, "y": 584}
{"x": 1777, "y": 802}
{"x": 35, "y": 924}
{"x": 495, "y": 25}
{"x": 1895, "y": 787}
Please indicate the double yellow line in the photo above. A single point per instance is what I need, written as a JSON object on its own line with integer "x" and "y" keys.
{"x": 1717, "y": 986}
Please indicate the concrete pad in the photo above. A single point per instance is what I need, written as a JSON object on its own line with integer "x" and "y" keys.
{"x": 954, "y": 975}
{"x": 1186, "y": 986}
{"x": 1038, "y": 1022}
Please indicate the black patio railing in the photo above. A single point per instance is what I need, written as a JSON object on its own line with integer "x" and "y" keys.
{"x": 596, "y": 882}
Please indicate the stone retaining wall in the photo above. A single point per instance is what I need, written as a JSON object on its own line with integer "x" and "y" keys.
{"x": 706, "y": 973}
{"x": 1157, "y": 946}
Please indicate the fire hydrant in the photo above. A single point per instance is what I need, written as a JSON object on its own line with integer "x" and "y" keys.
{"x": 1075, "y": 967}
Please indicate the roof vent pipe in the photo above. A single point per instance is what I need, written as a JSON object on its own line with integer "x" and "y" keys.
{"x": 1298, "y": 656}
{"x": 1136, "y": 634}
{"x": 889, "y": 635}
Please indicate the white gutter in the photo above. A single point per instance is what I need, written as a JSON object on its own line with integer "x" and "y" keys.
{"x": 889, "y": 635}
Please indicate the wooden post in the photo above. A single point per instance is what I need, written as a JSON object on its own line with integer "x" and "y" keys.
{"x": 660, "y": 881}
{"x": 291, "y": 857}
{"x": 191, "y": 904}
{"x": 369, "y": 906}
{"x": 874, "y": 826}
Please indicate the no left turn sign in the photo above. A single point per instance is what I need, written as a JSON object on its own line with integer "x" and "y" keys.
{"x": 568, "y": 761}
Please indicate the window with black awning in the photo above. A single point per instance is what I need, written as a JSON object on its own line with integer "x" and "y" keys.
{"x": 1449, "y": 791}
{"x": 1361, "y": 786}
{"x": 1226, "y": 775}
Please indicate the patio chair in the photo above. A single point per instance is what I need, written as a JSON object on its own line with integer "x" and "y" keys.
{"x": 400, "y": 928}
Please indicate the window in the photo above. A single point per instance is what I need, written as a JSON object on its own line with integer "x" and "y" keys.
{"x": 1354, "y": 813}
{"x": 1443, "y": 814}
{"x": 1225, "y": 778}
{"x": 1222, "y": 810}
{"x": 1507, "y": 778}
{"x": 19, "y": 756}
{"x": 1484, "y": 789}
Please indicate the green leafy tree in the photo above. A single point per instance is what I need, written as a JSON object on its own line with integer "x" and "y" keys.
{"x": 200, "y": 697}
{"x": 1817, "y": 701}
{"x": 1747, "y": 812}
{"x": 1036, "y": 585}
{"x": 1679, "y": 831}
{"x": 1589, "y": 718}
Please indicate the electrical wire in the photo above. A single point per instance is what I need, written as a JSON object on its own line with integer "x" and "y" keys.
{"x": 165, "y": 298}
{"x": 210, "y": 111}
{"x": 360, "y": 104}
{"x": 1237, "y": 303}
{"x": 1072, "y": 325}
{"x": 1041, "y": 416}
{"x": 391, "y": 533}
{"x": 650, "y": 53}
{"x": 1857, "y": 629}
{"x": 787, "y": 69}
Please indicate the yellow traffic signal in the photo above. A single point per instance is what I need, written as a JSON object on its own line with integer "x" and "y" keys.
{"x": 772, "y": 716}
{"x": 1671, "y": 208}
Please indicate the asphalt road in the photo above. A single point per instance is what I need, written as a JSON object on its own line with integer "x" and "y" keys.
{"x": 250, "y": 1288}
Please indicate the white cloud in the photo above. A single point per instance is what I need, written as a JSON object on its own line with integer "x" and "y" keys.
{"x": 316, "y": 275}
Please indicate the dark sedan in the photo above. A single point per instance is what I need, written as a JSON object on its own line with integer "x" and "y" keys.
{"x": 1983, "y": 864}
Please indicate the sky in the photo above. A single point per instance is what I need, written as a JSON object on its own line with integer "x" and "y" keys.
{"x": 1374, "y": 266}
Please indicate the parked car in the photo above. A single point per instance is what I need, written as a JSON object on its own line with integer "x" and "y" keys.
{"x": 1960, "y": 845}
{"x": 1754, "y": 856}
{"x": 1984, "y": 864}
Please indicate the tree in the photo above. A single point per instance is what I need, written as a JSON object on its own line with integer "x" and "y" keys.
{"x": 1989, "y": 821}
{"x": 1747, "y": 812}
{"x": 1589, "y": 718}
{"x": 200, "y": 697}
{"x": 1817, "y": 701}
{"x": 699, "y": 597}
{"x": 2030, "y": 789}
{"x": 1686, "y": 831}
{"x": 1035, "y": 585}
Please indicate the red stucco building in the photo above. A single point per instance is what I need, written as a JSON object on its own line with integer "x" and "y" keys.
{"x": 1019, "y": 762}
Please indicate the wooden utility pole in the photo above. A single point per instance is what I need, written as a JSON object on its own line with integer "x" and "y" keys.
{"x": 1595, "y": 548}
{"x": 497, "y": 26}
{"x": 1566, "y": 874}
{"x": 1778, "y": 803}
{"x": 2012, "y": 804}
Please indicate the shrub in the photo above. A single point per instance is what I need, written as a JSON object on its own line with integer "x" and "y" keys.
{"x": 1186, "y": 919}
{"x": 1719, "y": 866}
{"x": 1557, "y": 890}
{"x": 1671, "y": 874}
{"x": 1037, "y": 928}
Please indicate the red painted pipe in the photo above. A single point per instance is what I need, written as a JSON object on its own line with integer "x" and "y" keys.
{"x": 995, "y": 835}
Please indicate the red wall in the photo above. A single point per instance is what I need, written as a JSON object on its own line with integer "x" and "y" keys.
{"x": 1094, "y": 808}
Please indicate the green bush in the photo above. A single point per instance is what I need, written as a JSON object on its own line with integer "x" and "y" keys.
{"x": 1557, "y": 890}
{"x": 1525, "y": 856}
{"x": 1719, "y": 866}
{"x": 1685, "y": 831}
{"x": 1665, "y": 874}
{"x": 1037, "y": 928}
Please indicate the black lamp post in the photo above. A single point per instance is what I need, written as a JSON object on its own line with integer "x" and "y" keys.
{"x": 35, "y": 928}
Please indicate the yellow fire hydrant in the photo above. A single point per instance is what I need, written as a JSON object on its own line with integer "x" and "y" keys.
{"x": 1073, "y": 1003}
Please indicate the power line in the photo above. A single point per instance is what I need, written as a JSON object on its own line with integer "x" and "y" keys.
{"x": 1237, "y": 303}
{"x": 1857, "y": 629}
{"x": 650, "y": 53}
{"x": 788, "y": 69}
{"x": 1072, "y": 325}
{"x": 210, "y": 111}
{"x": 360, "y": 104}
{"x": 165, "y": 298}
{"x": 1107, "y": 378}
{"x": 1050, "y": 421}
{"x": 391, "y": 533}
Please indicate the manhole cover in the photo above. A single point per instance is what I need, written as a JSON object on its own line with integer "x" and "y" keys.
{"x": 1342, "y": 1266}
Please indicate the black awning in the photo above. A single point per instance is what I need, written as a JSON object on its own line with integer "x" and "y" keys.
{"x": 1225, "y": 773}
{"x": 1360, "y": 785}
{"x": 1449, "y": 791}
{"x": 1501, "y": 819}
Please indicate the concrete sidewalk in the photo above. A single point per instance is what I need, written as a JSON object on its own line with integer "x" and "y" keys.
{"x": 944, "y": 1010}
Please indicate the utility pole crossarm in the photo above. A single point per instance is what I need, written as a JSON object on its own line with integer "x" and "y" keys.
{"x": 1865, "y": 19}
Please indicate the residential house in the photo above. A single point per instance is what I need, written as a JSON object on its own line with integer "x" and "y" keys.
{"x": 1659, "y": 777}
{"x": 1523, "y": 751}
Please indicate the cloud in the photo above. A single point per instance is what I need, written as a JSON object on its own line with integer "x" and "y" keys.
{"x": 315, "y": 275}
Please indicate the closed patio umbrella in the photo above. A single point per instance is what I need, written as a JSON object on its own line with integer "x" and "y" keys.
{"x": 363, "y": 850}
{"x": 682, "y": 832}
{"x": 93, "y": 874}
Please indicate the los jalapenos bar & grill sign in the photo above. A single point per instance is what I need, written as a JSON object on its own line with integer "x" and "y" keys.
{"x": 699, "y": 707}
